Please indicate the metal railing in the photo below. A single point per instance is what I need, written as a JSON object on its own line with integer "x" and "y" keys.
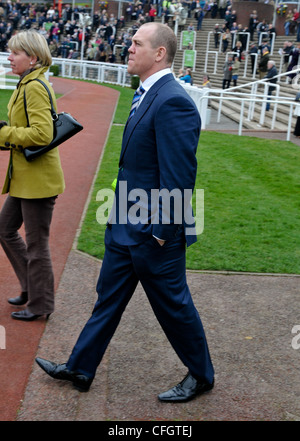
{"x": 93, "y": 70}
{"x": 83, "y": 69}
{"x": 284, "y": 101}
{"x": 254, "y": 98}
{"x": 247, "y": 57}
{"x": 272, "y": 40}
{"x": 218, "y": 51}
{"x": 255, "y": 101}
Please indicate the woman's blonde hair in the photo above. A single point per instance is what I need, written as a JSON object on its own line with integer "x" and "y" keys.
{"x": 34, "y": 44}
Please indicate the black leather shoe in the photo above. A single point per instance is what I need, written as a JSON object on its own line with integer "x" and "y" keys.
{"x": 188, "y": 389}
{"x": 20, "y": 300}
{"x": 26, "y": 315}
{"x": 60, "y": 372}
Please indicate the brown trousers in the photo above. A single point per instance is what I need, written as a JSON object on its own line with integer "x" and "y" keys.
{"x": 31, "y": 258}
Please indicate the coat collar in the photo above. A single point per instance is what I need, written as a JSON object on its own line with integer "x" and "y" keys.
{"x": 142, "y": 109}
{"x": 32, "y": 75}
{"x": 23, "y": 81}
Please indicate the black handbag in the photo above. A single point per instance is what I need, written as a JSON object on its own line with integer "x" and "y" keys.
{"x": 64, "y": 127}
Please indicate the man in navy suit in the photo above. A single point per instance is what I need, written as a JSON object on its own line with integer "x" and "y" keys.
{"x": 145, "y": 240}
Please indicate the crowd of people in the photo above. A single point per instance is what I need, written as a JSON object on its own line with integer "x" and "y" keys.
{"x": 230, "y": 32}
{"x": 64, "y": 33}
{"x": 62, "y": 30}
{"x": 292, "y": 23}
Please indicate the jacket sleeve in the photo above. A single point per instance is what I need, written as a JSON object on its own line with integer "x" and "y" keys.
{"x": 177, "y": 127}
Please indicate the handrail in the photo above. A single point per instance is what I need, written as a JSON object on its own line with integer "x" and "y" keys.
{"x": 253, "y": 98}
{"x": 247, "y": 39}
{"x": 254, "y": 67}
{"x": 216, "y": 61}
{"x": 273, "y": 40}
{"x": 265, "y": 96}
{"x": 285, "y": 101}
{"x": 245, "y": 52}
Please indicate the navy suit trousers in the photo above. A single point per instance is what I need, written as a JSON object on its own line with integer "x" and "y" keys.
{"x": 162, "y": 273}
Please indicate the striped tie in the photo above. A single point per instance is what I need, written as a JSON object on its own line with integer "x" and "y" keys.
{"x": 136, "y": 97}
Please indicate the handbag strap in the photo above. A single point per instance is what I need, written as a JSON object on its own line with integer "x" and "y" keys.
{"x": 53, "y": 112}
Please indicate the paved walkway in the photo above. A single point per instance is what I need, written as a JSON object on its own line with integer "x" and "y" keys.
{"x": 248, "y": 320}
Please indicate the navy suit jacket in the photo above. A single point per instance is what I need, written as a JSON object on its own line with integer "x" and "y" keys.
{"x": 158, "y": 155}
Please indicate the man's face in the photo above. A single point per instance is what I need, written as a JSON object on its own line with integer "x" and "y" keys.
{"x": 142, "y": 56}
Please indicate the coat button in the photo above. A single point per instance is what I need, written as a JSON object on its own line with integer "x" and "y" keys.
{"x": 7, "y": 144}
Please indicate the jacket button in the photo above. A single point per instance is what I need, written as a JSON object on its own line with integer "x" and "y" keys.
{"x": 7, "y": 144}
{"x": 13, "y": 146}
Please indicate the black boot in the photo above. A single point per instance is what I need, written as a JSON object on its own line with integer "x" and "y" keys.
{"x": 20, "y": 300}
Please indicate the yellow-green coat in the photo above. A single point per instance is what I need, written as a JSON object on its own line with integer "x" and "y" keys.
{"x": 43, "y": 177}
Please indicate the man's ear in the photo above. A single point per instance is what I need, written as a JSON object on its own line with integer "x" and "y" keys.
{"x": 161, "y": 53}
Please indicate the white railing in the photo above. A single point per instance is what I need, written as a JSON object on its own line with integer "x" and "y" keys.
{"x": 256, "y": 101}
{"x": 268, "y": 35}
{"x": 247, "y": 57}
{"x": 93, "y": 70}
{"x": 215, "y": 53}
{"x": 87, "y": 70}
{"x": 247, "y": 34}
{"x": 200, "y": 98}
{"x": 10, "y": 83}
{"x": 6, "y": 83}
{"x": 284, "y": 101}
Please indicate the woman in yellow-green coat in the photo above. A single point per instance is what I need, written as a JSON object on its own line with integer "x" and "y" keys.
{"x": 32, "y": 187}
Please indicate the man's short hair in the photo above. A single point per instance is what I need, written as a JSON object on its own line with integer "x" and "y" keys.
{"x": 164, "y": 36}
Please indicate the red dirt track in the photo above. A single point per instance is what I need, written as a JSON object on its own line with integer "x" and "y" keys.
{"x": 93, "y": 106}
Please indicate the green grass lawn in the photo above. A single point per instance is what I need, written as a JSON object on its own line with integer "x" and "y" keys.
{"x": 252, "y": 203}
{"x": 251, "y": 209}
{"x": 4, "y": 98}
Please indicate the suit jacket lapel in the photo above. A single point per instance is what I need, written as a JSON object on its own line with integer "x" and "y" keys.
{"x": 144, "y": 106}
